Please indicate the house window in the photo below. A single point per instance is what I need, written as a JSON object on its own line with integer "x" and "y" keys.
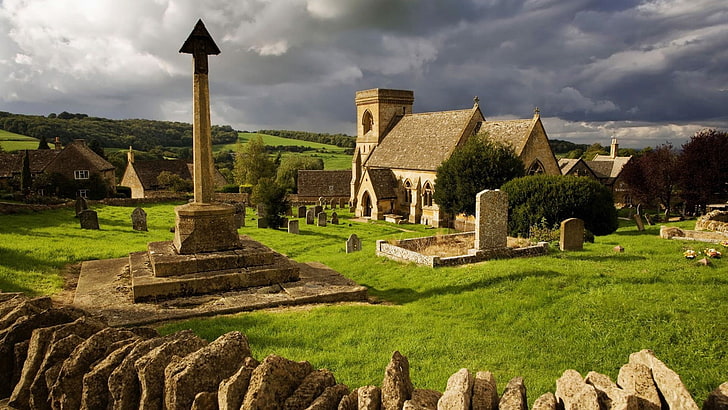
{"x": 83, "y": 193}
{"x": 80, "y": 174}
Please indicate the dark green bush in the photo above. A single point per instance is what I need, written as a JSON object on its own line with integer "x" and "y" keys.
{"x": 549, "y": 199}
{"x": 123, "y": 191}
{"x": 230, "y": 189}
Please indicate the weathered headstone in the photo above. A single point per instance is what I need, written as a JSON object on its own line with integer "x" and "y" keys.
{"x": 139, "y": 219}
{"x": 321, "y": 201}
{"x": 89, "y": 219}
{"x": 260, "y": 210}
{"x": 302, "y": 211}
{"x": 318, "y": 209}
{"x": 293, "y": 226}
{"x": 262, "y": 223}
{"x": 334, "y": 218}
{"x": 321, "y": 219}
{"x": 81, "y": 205}
{"x": 491, "y": 219}
{"x": 572, "y": 235}
{"x": 310, "y": 216}
{"x": 638, "y": 220}
{"x": 240, "y": 214}
{"x": 332, "y": 203}
{"x": 353, "y": 244}
{"x": 343, "y": 202}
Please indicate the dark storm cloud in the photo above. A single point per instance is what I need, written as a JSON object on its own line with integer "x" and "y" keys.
{"x": 646, "y": 71}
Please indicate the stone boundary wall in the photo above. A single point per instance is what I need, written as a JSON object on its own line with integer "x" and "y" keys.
{"x": 405, "y": 250}
{"x": 219, "y": 197}
{"x": 7, "y": 208}
{"x": 63, "y": 358}
{"x": 716, "y": 221}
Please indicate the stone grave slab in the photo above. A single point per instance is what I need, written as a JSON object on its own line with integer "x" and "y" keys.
{"x": 89, "y": 219}
{"x": 139, "y": 219}
{"x": 572, "y": 235}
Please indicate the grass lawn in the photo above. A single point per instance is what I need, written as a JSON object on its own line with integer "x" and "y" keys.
{"x": 334, "y": 157}
{"x": 534, "y": 318}
{"x": 15, "y": 142}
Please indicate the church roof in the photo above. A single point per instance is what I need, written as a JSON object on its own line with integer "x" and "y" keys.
{"x": 421, "y": 141}
{"x": 383, "y": 182}
{"x": 511, "y": 132}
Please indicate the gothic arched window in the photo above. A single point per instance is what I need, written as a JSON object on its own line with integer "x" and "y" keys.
{"x": 367, "y": 121}
{"x": 535, "y": 168}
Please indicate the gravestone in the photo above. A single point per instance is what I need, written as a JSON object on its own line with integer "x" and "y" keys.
{"x": 572, "y": 235}
{"x": 81, "y": 205}
{"x": 334, "y": 218}
{"x": 343, "y": 202}
{"x": 262, "y": 223}
{"x": 289, "y": 211}
{"x": 353, "y": 244}
{"x": 302, "y": 211}
{"x": 89, "y": 219}
{"x": 638, "y": 220}
{"x": 310, "y": 216}
{"x": 318, "y": 209}
{"x": 321, "y": 201}
{"x": 321, "y": 220}
{"x": 333, "y": 203}
{"x": 240, "y": 214}
{"x": 260, "y": 211}
{"x": 491, "y": 219}
{"x": 139, "y": 220}
{"x": 293, "y": 226}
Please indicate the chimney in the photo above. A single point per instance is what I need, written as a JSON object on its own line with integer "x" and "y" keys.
{"x": 130, "y": 155}
{"x": 57, "y": 144}
{"x": 614, "y": 149}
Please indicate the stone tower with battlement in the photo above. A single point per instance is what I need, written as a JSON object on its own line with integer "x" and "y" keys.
{"x": 377, "y": 111}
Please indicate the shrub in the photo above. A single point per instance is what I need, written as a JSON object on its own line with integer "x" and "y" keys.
{"x": 549, "y": 199}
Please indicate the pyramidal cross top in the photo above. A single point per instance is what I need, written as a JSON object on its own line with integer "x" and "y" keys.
{"x": 202, "y": 226}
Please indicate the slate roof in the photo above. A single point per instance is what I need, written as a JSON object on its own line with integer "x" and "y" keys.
{"x": 318, "y": 183}
{"x": 566, "y": 164}
{"x": 384, "y": 183}
{"x": 511, "y": 132}
{"x": 148, "y": 171}
{"x": 421, "y": 141}
{"x": 12, "y": 162}
{"x": 607, "y": 168}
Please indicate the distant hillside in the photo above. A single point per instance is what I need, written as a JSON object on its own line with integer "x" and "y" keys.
{"x": 141, "y": 134}
{"x": 340, "y": 140}
{"x": 561, "y": 148}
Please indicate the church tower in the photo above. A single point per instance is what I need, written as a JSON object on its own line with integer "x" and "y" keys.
{"x": 377, "y": 110}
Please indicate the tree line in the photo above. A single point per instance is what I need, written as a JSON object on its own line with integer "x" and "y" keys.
{"x": 139, "y": 133}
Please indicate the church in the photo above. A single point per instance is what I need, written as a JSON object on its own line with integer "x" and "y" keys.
{"x": 398, "y": 152}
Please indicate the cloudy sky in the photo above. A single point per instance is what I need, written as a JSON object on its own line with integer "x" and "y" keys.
{"x": 646, "y": 71}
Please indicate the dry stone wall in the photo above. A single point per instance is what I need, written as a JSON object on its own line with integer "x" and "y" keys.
{"x": 716, "y": 221}
{"x": 62, "y": 358}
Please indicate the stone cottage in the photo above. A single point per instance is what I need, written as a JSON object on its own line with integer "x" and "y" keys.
{"x": 397, "y": 153}
{"x": 75, "y": 162}
{"x": 607, "y": 169}
{"x": 141, "y": 176}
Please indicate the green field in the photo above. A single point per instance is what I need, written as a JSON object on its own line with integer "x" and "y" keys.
{"x": 534, "y": 317}
{"x": 16, "y": 142}
{"x": 334, "y": 157}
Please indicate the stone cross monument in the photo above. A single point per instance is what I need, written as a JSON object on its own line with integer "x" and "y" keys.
{"x": 202, "y": 226}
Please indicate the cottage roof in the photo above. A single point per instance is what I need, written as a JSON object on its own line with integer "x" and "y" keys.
{"x": 510, "y": 132}
{"x": 148, "y": 171}
{"x": 567, "y": 164}
{"x": 617, "y": 163}
{"x": 384, "y": 183}
{"x": 421, "y": 141}
{"x": 12, "y": 162}
{"x": 318, "y": 183}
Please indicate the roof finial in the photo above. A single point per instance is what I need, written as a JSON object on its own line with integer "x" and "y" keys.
{"x": 476, "y": 100}
{"x": 537, "y": 111}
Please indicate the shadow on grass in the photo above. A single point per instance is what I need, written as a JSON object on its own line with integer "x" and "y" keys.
{"x": 405, "y": 295}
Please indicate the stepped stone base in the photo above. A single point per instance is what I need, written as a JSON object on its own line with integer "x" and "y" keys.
{"x": 162, "y": 273}
{"x": 205, "y": 228}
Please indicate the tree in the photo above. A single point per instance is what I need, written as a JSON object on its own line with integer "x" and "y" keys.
{"x": 26, "y": 179}
{"x": 593, "y": 150}
{"x": 252, "y": 162}
{"x": 652, "y": 177}
{"x": 272, "y": 198}
{"x": 478, "y": 164}
{"x": 43, "y": 143}
{"x": 96, "y": 147}
{"x": 287, "y": 175}
{"x": 173, "y": 182}
{"x": 704, "y": 168}
{"x": 549, "y": 199}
